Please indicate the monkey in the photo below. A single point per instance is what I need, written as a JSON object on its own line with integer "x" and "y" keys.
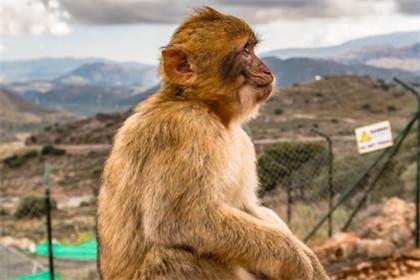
{"x": 178, "y": 195}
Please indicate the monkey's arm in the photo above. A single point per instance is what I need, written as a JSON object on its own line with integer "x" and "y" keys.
{"x": 237, "y": 238}
{"x": 270, "y": 216}
{"x": 184, "y": 205}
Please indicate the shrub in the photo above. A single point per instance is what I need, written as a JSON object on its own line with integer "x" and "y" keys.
{"x": 391, "y": 108}
{"x": 51, "y": 150}
{"x": 4, "y": 211}
{"x": 19, "y": 158}
{"x": 32, "y": 206}
{"x": 280, "y": 160}
{"x": 278, "y": 111}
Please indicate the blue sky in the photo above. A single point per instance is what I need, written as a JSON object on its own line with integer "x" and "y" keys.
{"x": 134, "y": 30}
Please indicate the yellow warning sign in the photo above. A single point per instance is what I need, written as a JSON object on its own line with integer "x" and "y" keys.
{"x": 365, "y": 137}
{"x": 374, "y": 137}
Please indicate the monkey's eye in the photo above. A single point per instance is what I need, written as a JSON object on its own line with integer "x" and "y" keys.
{"x": 246, "y": 50}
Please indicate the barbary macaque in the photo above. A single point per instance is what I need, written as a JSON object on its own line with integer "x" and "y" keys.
{"x": 178, "y": 199}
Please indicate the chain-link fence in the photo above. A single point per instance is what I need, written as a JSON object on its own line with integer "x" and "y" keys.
{"x": 319, "y": 185}
{"x": 323, "y": 186}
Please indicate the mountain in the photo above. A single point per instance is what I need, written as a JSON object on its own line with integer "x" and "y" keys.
{"x": 80, "y": 99}
{"x": 396, "y": 39}
{"x": 40, "y": 69}
{"x": 17, "y": 115}
{"x": 297, "y": 70}
{"x": 132, "y": 100}
{"x": 90, "y": 88}
{"x": 51, "y": 68}
{"x": 337, "y": 104}
{"x": 110, "y": 74}
{"x": 407, "y": 58}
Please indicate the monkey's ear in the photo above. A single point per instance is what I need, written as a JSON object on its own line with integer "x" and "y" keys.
{"x": 177, "y": 66}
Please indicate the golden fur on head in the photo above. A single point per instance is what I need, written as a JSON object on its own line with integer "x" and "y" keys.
{"x": 207, "y": 39}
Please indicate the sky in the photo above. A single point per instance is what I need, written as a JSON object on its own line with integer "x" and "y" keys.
{"x": 135, "y": 30}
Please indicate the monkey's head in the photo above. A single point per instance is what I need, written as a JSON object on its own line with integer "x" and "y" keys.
{"x": 211, "y": 59}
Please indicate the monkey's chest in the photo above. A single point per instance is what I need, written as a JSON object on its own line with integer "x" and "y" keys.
{"x": 240, "y": 176}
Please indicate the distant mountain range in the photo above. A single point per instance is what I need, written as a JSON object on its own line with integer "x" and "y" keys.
{"x": 107, "y": 87}
{"x": 297, "y": 70}
{"x": 18, "y": 114}
{"x": 90, "y": 88}
{"x": 78, "y": 70}
{"x": 132, "y": 100}
{"x": 110, "y": 74}
{"x": 91, "y": 85}
{"x": 396, "y": 40}
{"x": 406, "y": 58}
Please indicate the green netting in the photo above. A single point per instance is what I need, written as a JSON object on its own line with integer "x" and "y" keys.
{"x": 84, "y": 251}
{"x": 39, "y": 276}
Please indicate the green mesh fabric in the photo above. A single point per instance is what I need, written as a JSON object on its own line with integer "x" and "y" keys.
{"x": 39, "y": 276}
{"x": 84, "y": 251}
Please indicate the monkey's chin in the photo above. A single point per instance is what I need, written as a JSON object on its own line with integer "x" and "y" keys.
{"x": 263, "y": 93}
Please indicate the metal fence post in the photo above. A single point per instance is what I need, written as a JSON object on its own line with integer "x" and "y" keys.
{"x": 289, "y": 202}
{"x": 48, "y": 214}
{"x": 346, "y": 193}
{"x": 330, "y": 178}
{"x": 417, "y": 95}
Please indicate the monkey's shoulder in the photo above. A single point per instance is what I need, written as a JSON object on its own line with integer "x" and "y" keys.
{"x": 171, "y": 124}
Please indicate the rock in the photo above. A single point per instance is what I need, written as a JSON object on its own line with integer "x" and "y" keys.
{"x": 21, "y": 243}
{"x": 413, "y": 264}
{"x": 340, "y": 247}
{"x": 413, "y": 254}
{"x": 378, "y": 248}
{"x": 393, "y": 222}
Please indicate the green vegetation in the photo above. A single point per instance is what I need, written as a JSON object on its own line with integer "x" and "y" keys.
{"x": 32, "y": 206}
{"x": 51, "y": 150}
{"x": 281, "y": 159}
{"x": 3, "y": 211}
{"x": 24, "y": 154}
{"x": 278, "y": 111}
{"x": 20, "y": 157}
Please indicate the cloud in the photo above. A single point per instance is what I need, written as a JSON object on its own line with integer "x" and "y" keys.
{"x": 411, "y": 7}
{"x": 103, "y": 12}
{"x": 54, "y": 16}
{"x": 33, "y": 17}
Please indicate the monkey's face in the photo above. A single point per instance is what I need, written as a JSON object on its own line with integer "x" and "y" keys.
{"x": 254, "y": 78}
{"x": 211, "y": 58}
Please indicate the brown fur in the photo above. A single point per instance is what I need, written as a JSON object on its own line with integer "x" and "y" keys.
{"x": 178, "y": 195}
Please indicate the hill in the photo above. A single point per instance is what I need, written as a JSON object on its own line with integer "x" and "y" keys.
{"x": 407, "y": 58}
{"x": 336, "y": 104}
{"x": 17, "y": 114}
{"x": 109, "y": 74}
{"x": 40, "y": 69}
{"x": 52, "y": 68}
{"x": 99, "y": 129}
{"x": 139, "y": 97}
{"x": 396, "y": 39}
{"x": 297, "y": 70}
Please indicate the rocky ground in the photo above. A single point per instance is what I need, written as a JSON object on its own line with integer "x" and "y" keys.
{"x": 379, "y": 247}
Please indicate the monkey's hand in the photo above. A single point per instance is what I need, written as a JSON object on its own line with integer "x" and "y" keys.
{"x": 270, "y": 216}
{"x": 236, "y": 237}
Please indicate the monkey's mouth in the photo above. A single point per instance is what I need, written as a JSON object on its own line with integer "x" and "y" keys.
{"x": 263, "y": 92}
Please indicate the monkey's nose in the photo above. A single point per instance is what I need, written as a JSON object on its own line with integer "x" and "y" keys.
{"x": 264, "y": 78}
